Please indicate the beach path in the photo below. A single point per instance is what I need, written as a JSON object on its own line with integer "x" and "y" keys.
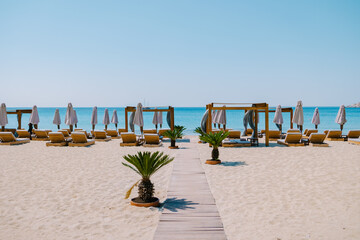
{"x": 190, "y": 211}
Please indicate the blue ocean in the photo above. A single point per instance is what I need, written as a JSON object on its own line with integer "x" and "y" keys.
{"x": 190, "y": 117}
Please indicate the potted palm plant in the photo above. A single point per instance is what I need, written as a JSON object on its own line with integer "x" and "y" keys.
{"x": 145, "y": 164}
{"x": 215, "y": 140}
{"x": 178, "y": 132}
{"x": 199, "y": 131}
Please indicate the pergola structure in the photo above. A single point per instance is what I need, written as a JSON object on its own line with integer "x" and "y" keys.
{"x": 150, "y": 109}
{"x": 289, "y": 110}
{"x": 256, "y": 107}
{"x": 19, "y": 113}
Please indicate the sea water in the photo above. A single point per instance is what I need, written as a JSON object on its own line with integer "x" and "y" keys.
{"x": 190, "y": 117}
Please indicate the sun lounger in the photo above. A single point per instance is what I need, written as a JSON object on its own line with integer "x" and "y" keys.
{"x": 236, "y": 143}
{"x": 150, "y": 131}
{"x": 129, "y": 140}
{"x": 326, "y": 132}
{"x": 353, "y": 134}
{"x": 293, "y": 131}
{"x": 41, "y": 135}
{"x": 161, "y": 132}
{"x": 334, "y": 135}
{"x": 121, "y": 130}
{"x": 305, "y": 131}
{"x": 317, "y": 140}
{"x": 274, "y": 135}
{"x": 57, "y": 139}
{"x": 22, "y": 133}
{"x": 112, "y": 133}
{"x": 249, "y": 132}
{"x": 101, "y": 136}
{"x": 309, "y": 132}
{"x": 79, "y": 139}
{"x": 216, "y": 130}
{"x": 64, "y": 132}
{"x": 152, "y": 140}
{"x": 354, "y": 141}
{"x": 8, "y": 138}
{"x": 88, "y": 135}
{"x": 291, "y": 140}
{"x": 234, "y": 134}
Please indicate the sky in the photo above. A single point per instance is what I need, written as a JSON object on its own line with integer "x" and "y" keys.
{"x": 179, "y": 53}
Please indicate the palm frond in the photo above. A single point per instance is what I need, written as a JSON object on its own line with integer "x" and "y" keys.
{"x": 214, "y": 139}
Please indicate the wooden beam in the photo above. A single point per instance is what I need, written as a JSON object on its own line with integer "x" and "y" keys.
{"x": 291, "y": 118}
{"x": 267, "y": 127}
{"x": 126, "y": 119}
{"x": 172, "y": 118}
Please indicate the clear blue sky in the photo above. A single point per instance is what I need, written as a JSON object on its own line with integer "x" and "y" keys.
{"x": 180, "y": 53}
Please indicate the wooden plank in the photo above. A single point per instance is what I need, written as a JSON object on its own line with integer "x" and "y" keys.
{"x": 190, "y": 210}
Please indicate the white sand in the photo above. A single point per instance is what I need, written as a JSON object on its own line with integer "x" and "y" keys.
{"x": 73, "y": 193}
{"x": 287, "y": 192}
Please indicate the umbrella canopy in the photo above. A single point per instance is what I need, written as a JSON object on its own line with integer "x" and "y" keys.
{"x": 214, "y": 116}
{"x": 278, "y": 118}
{"x": 114, "y": 118}
{"x": 299, "y": 115}
{"x": 34, "y": 117}
{"x": 168, "y": 119}
{"x": 316, "y": 118}
{"x": 341, "y": 117}
{"x": 204, "y": 121}
{"x": 57, "y": 120}
{"x": 138, "y": 118}
{"x": 160, "y": 119}
{"x": 70, "y": 118}
{"x": 155, "y": 120}
{"x": 106, "y": 119}
{"x": 3, "y": 115}
{"x": 131, "y": 122}
{"x": 94, "y": 120}
{"x": 221, "y": 117}
{"x": 75, "y": 117}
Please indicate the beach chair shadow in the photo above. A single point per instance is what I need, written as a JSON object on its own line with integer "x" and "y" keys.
{"x": 175, "y": 204}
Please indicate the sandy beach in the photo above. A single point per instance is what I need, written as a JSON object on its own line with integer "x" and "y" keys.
{"x": 261, "y": 193}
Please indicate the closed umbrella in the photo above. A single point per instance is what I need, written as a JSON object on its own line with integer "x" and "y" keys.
{"x": 213, "y": 117}
{"x": 221, "y": 117}
{"x": 57, "y": 120}
{"x": 204, "y": 119}
{"x": 316, "y": 118}
{"x": 278, "y": 118}
{"x": 106, "y": 120}
{"x": 160, "y": 119}
{"x": 3, "y": 116}
{"x": 94, "y": 118}
{"x": 341, "y": 117}
{"x": 168, "y": 119}
{"x": 138, "y": 118}
{"x": 76, "y": 119}
{"x": 131, "y": 122}
{"x": 70, "y": 119}
{"x": 34, "y": 117}
{"x": 155, "y": 120}
{"x": 299, "y": 116}
{"x": 114, "y": 118}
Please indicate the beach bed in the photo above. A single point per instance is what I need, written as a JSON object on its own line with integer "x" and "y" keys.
{"x": 353, "y": 134}
{"x": 8, "y": 138}
{"x": 308, "y": 132}
{"x": 101, "y": 136}
{"x": 22, "y": 133}
{"x": 41, "y": 135}
{"x": 152, "y": 140}
{"x": 292, "y": 140}
{"x": 317, "y": 140}
{"x": 57, "y": 139}
{"x": 80, "y": 140}
{"x": 235, "y": 134}
{"x": 112, "y": 133}
{"x": 354, "y": 141}
{"x": 129, "y": 140}
{"x": 236, "y": 143}
{"x": 274, "y": 135}
{"x": 334, "y": 135}
{"x": 151, "y": 131}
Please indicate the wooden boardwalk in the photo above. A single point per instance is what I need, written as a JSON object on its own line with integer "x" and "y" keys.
{"x": 190, "y": 211}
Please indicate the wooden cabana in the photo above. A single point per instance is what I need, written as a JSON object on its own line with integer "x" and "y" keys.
{"x": 257, "y": 107}
{"x": 19, "y": 113}
{"x": 150, "y": 109}
{"x": 287, "y": 110}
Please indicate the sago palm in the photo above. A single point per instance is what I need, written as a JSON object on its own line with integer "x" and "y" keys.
{"x": 214, "y": 139}
{"x": 178, "y": 132}
{"x": 146, "y": 164}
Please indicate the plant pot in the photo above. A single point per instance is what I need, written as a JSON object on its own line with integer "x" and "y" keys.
{"x": 213, "y": 162}
{"x": 176, "y": 147}
{"x": 140, "y": 203}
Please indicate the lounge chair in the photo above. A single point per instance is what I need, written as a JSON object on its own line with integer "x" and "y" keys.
{"x": 305, "y": 131}
{"x": 326, "y": 132}
{"x": 79, "y": 139}
{"x": 274, "y": 135}
{"x": 317, "y": 140}
{"x": 309, "y": 132}
{"x": 88, "y": 135}
{"x": 101, "y": 136}
{"x": 22, "y": 133}
{"x": 334, "y": 135}
{"x": 57, "y": 139}
{"x": 112, "y": 133}
{"x": 8, "y": 138}
{"x": 150, "y": 131}
{"x": 65, "y": 133}
{"x": 41, "y": 135}
{"x": 161, "y": 132}
{"x": 353, "y": 134}
{"x": 152, "y": 140}
{"x": 249, "y": 132}
{"x": 291, "y": 140}
{"x": 216, "y": 130}
{"x": 236, "y": 143}
{"x": 234, "y": 134}
{"x": 129, "y": 140}
{"x": 121, "y": 130}
{"x": 354, "y": 141}
{"x": 293, "y": 130}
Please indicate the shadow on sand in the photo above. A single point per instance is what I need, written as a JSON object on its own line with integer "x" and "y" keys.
{"x": 175, "y": 204}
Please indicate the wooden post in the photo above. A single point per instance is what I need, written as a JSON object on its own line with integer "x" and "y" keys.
{"x": 267, "y": 126}
{"x": 172, "y": 118}
{"x": 3, "y": 128}
{"x": 126, "y": 119}
{"x": 291, "y": 118}
{"x": 19, "y": 119}
{"x": 256, "y": 124}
